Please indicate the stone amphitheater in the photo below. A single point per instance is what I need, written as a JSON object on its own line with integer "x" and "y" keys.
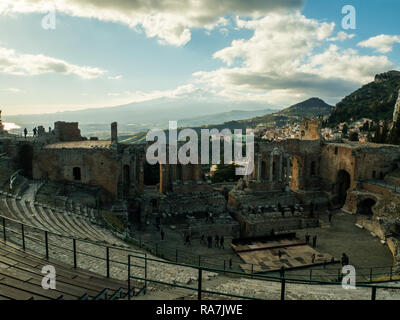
{"x": 84, "y": 206}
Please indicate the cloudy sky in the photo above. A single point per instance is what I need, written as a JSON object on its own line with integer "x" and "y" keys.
{"x": 111, "y": 52}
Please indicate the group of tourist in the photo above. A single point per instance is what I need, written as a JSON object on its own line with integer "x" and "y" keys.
{"x": 218, "y": 241}
{"x": 314, "y": 239}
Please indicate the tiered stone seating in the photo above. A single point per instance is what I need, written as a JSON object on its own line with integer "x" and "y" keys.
{"x": 21, "y": 278}
{"x": 55, "y": 221}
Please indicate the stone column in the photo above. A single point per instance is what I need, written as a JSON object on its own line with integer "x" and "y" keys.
{"x": 288, "y": 169}
{"x": 271, "y": 168}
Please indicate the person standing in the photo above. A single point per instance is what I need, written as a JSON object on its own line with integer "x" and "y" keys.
{"x": 216, "y": 241}
{"x": 314, "y": 241}
{"x": 307, "y": 237}
{"x": 25, "y": 132}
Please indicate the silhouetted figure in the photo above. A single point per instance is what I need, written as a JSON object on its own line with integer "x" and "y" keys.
{"x": 216, "y": 241}
{"x": 345, "y": 260}
{"x": 313, "y": 258}
{"x": 187, "y": 241}
{"x": 162, "y": 234}
{"x": 221, "y": 242}
{"x": 330, "y": 217}
{"x": 307, "y": 237}
{"x": 314, "y": 241}
{"x": 25, "y": 132}
{"x": 34, "y": 132}
{"x": 202, "y": 239}
{"x": 280, "y": 254}
{"x": 209, "y": 240}
{"x": 230, "y": 263}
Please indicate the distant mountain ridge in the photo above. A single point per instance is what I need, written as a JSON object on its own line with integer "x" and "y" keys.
{"x": 309, "y": 108}
{"x": 375, "y": 100}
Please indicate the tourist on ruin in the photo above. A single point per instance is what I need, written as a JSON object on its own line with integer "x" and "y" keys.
{"x": 34, "y": 132}
{"x": 187, "y": 241}
{"x": 202, "y": 239}
{"x": 307, "y": 237}
{"x": 209, "y": 240}
{"x": 280, "y": 254}
{"x": 314, "y": 241}
{"x": 345, "y": 260}
{"x": 216, "y": 241}
{"x": 221, "y": 242}
{"x": 25, "y": 132}
{"x": 313, "y": 258}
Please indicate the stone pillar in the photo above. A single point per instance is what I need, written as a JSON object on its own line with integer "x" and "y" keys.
{"x": 114, "y": 132}
{"x": 280, "y": 166}
{"x": 288, "y": 169}
{"x": 271, "y": 168}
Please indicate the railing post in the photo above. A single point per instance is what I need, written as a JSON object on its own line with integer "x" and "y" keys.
{"x": 46, "y": 239}
{"x": 199, "y": 281}
{"x": 145, "y": 273}
{"x": 129, "y": 277}
{"x": 373, "y": 295}
{"x": 283, "y": 283}
{"x": 4, "y": 230}
{"x": 370, "y": 275}
{"x": 224, "y": 266}
{"x": 23, "y": 236}
{"x": 74, "y": 245}
{"x": 108, "y": 261}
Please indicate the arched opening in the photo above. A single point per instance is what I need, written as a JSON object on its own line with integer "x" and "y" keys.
{"x": 274, "y": 174}
{"x": 151, "y": 174}
{"x": 312, "y": 169}
{"x": 25, "y": 159}
{"x": 77, "y": 174}
{"x": 263, "y": 170}
{"x": 127, "y": 175}
{"x": 179, "y": 172}
{"x": 342, "y": 185}
{"x": 364, "y": 207}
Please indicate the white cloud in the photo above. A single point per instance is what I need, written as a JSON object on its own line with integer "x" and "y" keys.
{"x": 14, "y": 90}
{"x": 19, "y": 64}
{"x": 382, "y": 43}
{"x": 285, "y": 60}
{"x": 342, "y": 36}
{"x": 115, "y": 77}
{"x": 169, "y": 21}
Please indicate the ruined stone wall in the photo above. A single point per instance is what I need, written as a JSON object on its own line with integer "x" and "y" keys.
{"x": 67, "y": 131}
{"x": 97, "y": 168}
{"x": 335, "y": 157}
